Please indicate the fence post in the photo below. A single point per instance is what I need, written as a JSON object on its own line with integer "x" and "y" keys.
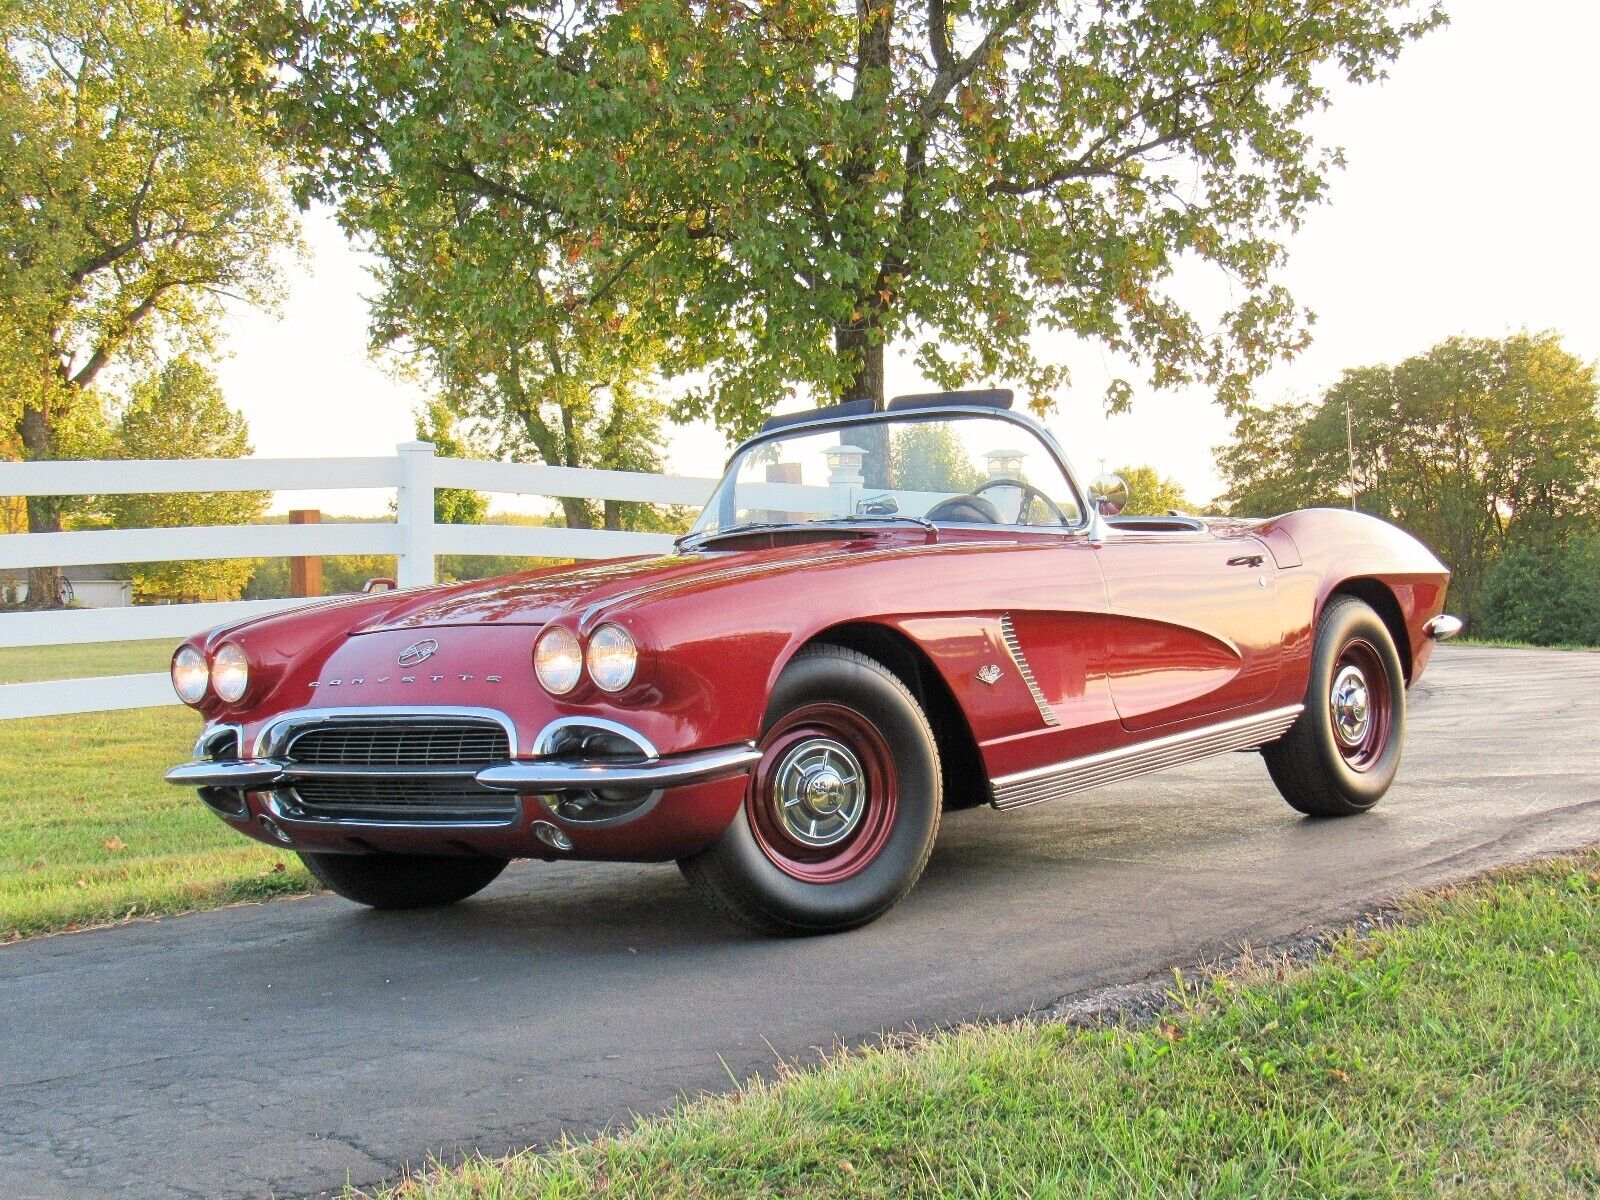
{"x": 305, "y": 571}
{"x": 414, "y": 512}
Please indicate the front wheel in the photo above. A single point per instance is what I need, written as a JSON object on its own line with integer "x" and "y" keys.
{"x": 403, "y": 880}
{"x": 1340, "y": 757}
{"x": 841, "y": 812}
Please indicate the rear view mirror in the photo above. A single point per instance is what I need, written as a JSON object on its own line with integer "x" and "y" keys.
{"x": 1109, "y": 495}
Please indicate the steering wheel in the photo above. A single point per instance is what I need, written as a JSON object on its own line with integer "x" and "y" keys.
{"x": 1029, "y": 495}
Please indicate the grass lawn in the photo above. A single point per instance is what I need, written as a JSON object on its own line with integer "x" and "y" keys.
{"x": 29, "y": 664}
{"x": 90, "y": 832}
{"x": 1506, "y": 644}
{"x": 1456, "y": 1055}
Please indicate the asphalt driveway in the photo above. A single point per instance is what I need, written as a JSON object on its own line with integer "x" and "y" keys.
{"x": 285, "y": 1048}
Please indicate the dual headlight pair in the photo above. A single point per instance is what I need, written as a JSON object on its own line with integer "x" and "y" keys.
{"x": 227, "y": 674}
{"x": 559, "y": 659}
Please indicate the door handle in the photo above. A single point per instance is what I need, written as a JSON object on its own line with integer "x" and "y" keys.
{"x": 1246, "y": 560}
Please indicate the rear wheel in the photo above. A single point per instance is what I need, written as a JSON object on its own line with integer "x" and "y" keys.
{"x": 841, "y": 812}
{"x": 403, "y": 880}
{"x": 1342, "y": 754}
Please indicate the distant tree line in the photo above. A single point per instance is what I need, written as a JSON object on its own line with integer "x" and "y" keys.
{"x": 1487, "y": 449}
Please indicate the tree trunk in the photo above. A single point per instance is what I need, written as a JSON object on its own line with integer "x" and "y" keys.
{"x": 44, "y": 512}
{"x": 577, "y": 513}
{"x": 859, "y": 343}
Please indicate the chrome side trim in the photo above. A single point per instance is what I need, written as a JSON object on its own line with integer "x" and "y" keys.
{"x": 1079, "y": 774}
{"x": 553, "y": 775}
{"x": 1014, "y": 648}
{"x": 1443, "y": 627}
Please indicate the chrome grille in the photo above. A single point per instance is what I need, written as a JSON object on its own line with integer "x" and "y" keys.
{"x": 443, "y": 801}
{"x": 456, "y": 744}
{"x": 438, "y": 794}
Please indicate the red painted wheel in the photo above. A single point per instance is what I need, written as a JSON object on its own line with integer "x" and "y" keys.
{"x": 841, "y": 812}
{"x": 1359, "y": 707}
{"x": 823, "y": 798}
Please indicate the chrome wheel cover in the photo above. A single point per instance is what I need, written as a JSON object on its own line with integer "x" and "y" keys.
{"x": 1350, "y": 705}
{"x": 819, "y": 792}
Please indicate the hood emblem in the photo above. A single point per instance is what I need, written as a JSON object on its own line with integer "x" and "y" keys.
{"x": 989, "y": 674}
{"x": 418, "y": 652}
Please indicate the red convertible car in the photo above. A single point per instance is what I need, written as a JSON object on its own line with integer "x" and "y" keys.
{"x": 878, "y": 616}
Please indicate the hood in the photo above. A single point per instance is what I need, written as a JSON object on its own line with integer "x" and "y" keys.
{"x": 539, "y": 597}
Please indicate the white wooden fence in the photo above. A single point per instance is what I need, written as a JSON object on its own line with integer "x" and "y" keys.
{"x": 416, "y": 540}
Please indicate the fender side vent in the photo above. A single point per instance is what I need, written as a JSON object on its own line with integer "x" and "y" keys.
{"x": 1014, "y": 647}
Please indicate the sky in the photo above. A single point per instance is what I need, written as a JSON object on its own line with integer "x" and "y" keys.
{"x": 1468, "y": 206}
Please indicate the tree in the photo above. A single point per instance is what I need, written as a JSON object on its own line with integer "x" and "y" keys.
{"x": 133, "y": 198}
{"x": 777, "y": 191}
{"x": 1549, "y": 596}
{"x": 930, "y": 457}
{"x": 178, "y": 412}
{"x": 1151, "y": 493}
{"x": 497, "y": 329}
{"x": 1471, "y": 445}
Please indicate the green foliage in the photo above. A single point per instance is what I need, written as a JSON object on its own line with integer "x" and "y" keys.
{"x": 341, "y": 574}
{"x": 1472, "y": 445}
{"x": 929, "y": 457}
{"x": 1151, "y": 493}
{"x": 765, "y": 195}
{"x": 179, "y": 412}
{"x": 1546, "y": 596}
{"x": 133, "y": 198}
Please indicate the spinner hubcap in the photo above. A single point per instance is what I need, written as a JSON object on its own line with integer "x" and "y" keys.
{"x": 819, "y": 790}
{"x": 1351, "y": 714}
{"x": 1360, "y": 705}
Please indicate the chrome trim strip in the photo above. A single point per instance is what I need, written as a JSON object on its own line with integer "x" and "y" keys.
{"x": 1443, "y": 627}
{"x": 1079, "y": 774}
{"x": 1008, "y": 630}
{"x": 551, "y": 775}
{"x": 541, "y": 744}
{"x": 210, "y": 733}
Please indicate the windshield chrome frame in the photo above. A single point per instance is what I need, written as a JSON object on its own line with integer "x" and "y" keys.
{"x": 1086, "y": 522}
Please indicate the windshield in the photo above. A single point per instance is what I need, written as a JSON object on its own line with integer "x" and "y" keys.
{"x": 955, "y": 469}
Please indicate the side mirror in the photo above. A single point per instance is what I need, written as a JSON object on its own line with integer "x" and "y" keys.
{"x": 1109, "y": 495}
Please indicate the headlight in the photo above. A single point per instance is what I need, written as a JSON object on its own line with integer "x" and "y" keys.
{"x": 558, "y": 660}
{"x": 612, "y": 658}
{"x": 230, "y": 673}
{"x": 190, "y": 674}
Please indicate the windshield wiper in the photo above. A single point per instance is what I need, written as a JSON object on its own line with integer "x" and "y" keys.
{"x": 869, "y": 517}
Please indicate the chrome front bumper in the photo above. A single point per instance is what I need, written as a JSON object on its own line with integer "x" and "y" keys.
{"x": 545, "y": 776}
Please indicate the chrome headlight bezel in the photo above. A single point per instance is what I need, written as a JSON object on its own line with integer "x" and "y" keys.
{"x": 558, "y": 660}
{"x": 612, "y": 658}
{"x": 195, "y": 669}
{"x": 230, "y": 673}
